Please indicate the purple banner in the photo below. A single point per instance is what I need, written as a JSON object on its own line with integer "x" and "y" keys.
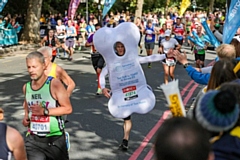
{"x": 73, "y": 6}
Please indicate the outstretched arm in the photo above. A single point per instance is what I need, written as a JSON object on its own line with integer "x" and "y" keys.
{"x": 156, "y": 57}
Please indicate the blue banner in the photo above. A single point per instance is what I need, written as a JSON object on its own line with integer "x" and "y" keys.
{"x": 213, "y": 40}
{"x": 107, "y": 6}
{"x": 2, "y": 4}
{"x": 200, "y": 44}
{"x": 196, "y": 40}
{"x": 232, "y": 21}
{"x": 8, "y": 37}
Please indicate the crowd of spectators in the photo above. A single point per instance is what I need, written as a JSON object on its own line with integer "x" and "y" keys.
{"x": 11, "y": 26}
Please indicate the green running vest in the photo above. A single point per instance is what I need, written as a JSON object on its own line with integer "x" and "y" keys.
{"x": 43, "y": 125}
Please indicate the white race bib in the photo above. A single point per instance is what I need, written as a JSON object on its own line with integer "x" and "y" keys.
{"x": 170, "y": 62}
{"x": 130, "y": 93}
{"x": 40, "y": 125}
{"x": 149, "y": 37}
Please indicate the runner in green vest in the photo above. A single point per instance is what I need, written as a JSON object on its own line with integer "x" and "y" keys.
{"x": 46, "y": 100}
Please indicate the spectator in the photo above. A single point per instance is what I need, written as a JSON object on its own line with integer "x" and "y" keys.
{"x": 182, "y": 139}
{"x": 42, "y": 19}
{"x": 121, "y": 20}
{"x": 218, "y": 112}
{"x": 222, "y": 71}
{"x": 53, "y": 22}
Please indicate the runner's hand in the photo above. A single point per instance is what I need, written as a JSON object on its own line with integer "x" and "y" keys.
{"x": 37, "y": 110}
{"x": 25, "y": 121}
{"x": 106, "y": 92}
{"x": 182, "y": 58}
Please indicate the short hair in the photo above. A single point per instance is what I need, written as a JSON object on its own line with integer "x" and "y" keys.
{"x": 36, "y": 54}
{"x": 226, "y": 51}
{"x": 46, "y": 49}
{"x": 180, "y": 138}
{"x": 98, "y": 24}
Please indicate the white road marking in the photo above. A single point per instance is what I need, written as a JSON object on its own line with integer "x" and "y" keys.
{"x": 75, "y": 90}
{"x": 80, "y": 59}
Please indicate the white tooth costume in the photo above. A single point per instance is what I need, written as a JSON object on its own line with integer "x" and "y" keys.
{"x": 130, "y": 92}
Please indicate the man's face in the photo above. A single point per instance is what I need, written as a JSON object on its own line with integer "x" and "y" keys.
{"x": 120, "y": 49}
{"x": 199, "y": 29}
{"x": 178, "y": 21}
{"x": 35, "y": 68}
{"x": 149, "y": 24}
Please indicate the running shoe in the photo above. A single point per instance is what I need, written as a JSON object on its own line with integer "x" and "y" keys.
{"x": 149, "y": 65}
{"x": 124, "y": 145}
{"x": 99, "y": 91}
{"x": 65, "y": 56}
{"x": 79, "y": 48}
{"x": 159, "y": 87}
{"x": 67, "y": 140}
{"x": 70, "y": 58}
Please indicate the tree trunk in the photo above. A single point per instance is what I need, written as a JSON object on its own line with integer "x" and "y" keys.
{"x": 138, "y": 12}
{"x": 31, "y": 32}
{"x": 211, "y": 5}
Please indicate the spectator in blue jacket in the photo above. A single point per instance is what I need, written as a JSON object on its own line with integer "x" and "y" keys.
{"x": 201, "y": 76}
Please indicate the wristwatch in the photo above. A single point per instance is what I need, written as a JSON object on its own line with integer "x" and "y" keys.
{"x": 46, "y": 112}
{"x": 185, "y": 65}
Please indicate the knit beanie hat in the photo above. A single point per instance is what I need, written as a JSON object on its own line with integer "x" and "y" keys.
{"x": 217, "y": 110}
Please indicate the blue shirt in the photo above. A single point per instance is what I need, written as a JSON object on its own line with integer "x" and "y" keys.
{"x": 150, "y": 36}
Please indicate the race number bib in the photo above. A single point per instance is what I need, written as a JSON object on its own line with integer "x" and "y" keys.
{"x": 170, "y": 62}
{"x": 40, "y": 125}
{"x": 130, "y": 93}
{"x": 149, "y": 37}
{"x": 199, "y": 48}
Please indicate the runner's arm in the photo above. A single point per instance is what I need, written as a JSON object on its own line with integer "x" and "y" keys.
{"x": 16, "y": 144}
{"x": 66, "y": 79}
{"x": 43, "y": 41}
{"x": 58, "y": 44}
{"x": 152, "y": 58}
{"x": 25, "y": 120}
{"x": 60, "y": 94}
{"x": 89, "y": 42}
{"x": 103, "y": 74}
{"x": 102, "y": 82}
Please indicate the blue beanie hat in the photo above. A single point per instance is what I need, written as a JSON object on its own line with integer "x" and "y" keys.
{"x": 217, "y": 110}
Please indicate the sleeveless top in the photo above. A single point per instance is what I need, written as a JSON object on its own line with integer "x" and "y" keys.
{"x": 43, "y": 125}
{"x": 179, "y": 30}
{"x": 150, "y": 36}
{"x": 53, "y": 71}
{"x": 50, "y": 43}
{"x": 5, "y": 153}
{"x": 69, "y": 30}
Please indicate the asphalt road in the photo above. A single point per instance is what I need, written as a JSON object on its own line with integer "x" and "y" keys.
{"x": 95, "y": 134}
